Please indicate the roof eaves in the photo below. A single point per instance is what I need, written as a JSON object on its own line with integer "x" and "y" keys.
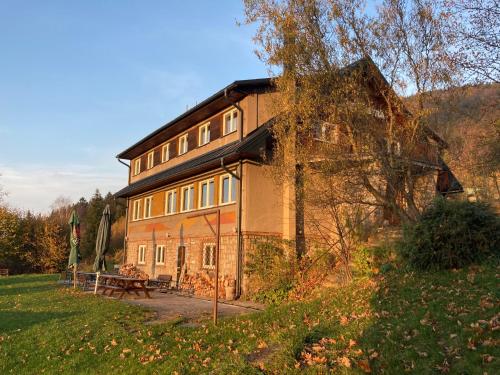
{"x": 218, "y": 94}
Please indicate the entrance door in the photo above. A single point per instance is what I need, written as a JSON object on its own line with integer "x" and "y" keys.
{"x": 181, "y": 262}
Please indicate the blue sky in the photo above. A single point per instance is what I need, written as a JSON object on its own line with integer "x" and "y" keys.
{"x": 82, "y": 80}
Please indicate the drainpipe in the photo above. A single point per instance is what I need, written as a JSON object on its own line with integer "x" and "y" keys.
{"x": 124, "y": 258}
{"x": 239, "y": 177}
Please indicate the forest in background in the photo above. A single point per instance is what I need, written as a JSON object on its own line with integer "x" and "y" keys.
{"x": 39, "y": 243}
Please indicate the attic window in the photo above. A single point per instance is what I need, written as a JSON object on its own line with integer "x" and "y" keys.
{"x": 183, "y": 144}
{"x": 151, "y": 159}
{"x": 204, "y": 134}
{"x": 230, "y": 121}
{"x": 165, "y": 153}
{"x": 137, "y": 167}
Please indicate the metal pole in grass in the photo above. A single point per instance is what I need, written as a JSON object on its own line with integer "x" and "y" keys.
{"x": 96, "y": 281}
{"x": 216, "y": 233}
{"x": 74, "y": 241}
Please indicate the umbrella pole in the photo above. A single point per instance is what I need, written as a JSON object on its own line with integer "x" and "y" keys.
{"x": 74, "y": 276}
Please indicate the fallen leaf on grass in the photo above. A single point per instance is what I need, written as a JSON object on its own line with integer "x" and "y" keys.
{"x": 364, "y": 365}
{"x": 262, "y": 344}
{"x": 344, "y": 361}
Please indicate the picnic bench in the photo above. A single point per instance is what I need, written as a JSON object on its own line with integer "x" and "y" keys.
{"x": 162, "y": 282}
{"x": 122, "y": 284}
{"x": 4, "y": 272}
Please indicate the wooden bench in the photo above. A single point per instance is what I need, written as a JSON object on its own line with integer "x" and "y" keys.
{"x": 162, "y": 282}
{"x": 4, "y": 272}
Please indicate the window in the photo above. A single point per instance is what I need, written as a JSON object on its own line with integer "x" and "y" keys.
{"x": 227, "y": 189}
{"x": 137, "y": 167}
{"x": 171, "y": 204}
{"x": 327, "y": 132}
{"x": 204, "y": 134}
{"x": 206, "y": 193}
{"x": 148, "y": 203}
{"x": 165, "y": 153}
{"x": 230, "y": 121}
{"x": 187, "y": 198}
{"x": 394, "y": 148}
{"x": 183, "y": 144}
{"x": 151, "y": 159}
{"x": 160, "y": 254}
{"x": 141, "y": 256}
{"x": 136, "y": 215}
{"x": 209, "y": 255}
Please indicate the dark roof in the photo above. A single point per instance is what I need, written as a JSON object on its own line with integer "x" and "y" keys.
{"x": 251, "y": 147}
{"x": 229, "y": 94}
{"x": 447, "y": 183}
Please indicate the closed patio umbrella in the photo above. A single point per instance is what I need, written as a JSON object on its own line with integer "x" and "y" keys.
{"x": 102, "y": 241}
{"x": 74, "y": 241}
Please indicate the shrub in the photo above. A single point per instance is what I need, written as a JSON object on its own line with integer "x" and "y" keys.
{"x": 270, "y": 268}
{"x": 451, "y": 234}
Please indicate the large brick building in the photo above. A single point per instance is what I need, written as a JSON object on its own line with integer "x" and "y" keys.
{"x": 209, "y": 157}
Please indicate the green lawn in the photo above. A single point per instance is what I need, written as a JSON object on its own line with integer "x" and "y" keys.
{"x": 425, "y": 323}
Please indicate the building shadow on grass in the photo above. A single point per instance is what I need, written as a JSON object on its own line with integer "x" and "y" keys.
{"x": 20, "y": 290}
{"x": 11, "y": 321}
{"x": 27, "y": 279}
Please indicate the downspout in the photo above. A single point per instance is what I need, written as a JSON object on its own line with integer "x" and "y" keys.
{"x": 124, "y": 259}
{"x": 239, "y": 247}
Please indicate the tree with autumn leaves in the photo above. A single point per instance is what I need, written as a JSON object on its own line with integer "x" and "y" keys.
{"x": 346, "y": 142}
{"x": 40, "y": 243}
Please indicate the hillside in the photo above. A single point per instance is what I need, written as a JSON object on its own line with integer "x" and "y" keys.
{"x": 468, "y": 119}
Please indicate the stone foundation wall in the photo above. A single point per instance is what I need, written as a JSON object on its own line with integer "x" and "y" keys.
{"x": 228, "y": 256}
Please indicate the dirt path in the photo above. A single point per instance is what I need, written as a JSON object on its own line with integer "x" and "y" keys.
{"x": 169, "y": 306}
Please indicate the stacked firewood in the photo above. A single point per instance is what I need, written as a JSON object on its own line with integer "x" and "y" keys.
{"x": 129, "y": 270}
{"x": 203, "y": 284}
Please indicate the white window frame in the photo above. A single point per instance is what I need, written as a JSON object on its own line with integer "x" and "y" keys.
{"x": 232, "y": 180}
{"x": 160, "y": 254}
{"x": 148, "y": 208}
{"x": 165, "y": 153}
{"x": 190, "y": 203}
{"x": 141, "y": 254}
{"x": 183, "y": 140}
{"x": 201, "y": 141}
{"x": 151, "y": 159}
{"x": 212, "y": 260}
{"x": 206, "y": 204}
{"x": 328, "y": 133}
{"x": 168, "y": 194}
{"x": 136, "y": 215}
{"x": 230, "y": 113}
{"x": 137, "y": 166}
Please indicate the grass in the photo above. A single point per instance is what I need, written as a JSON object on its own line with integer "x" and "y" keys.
{"x": 422, "y": 323}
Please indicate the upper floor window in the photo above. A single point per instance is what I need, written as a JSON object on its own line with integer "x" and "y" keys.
{"x": 209, "y": 255}
{"x": 160, "y": 254}
{"x": 230, "y": 121}
{"x": 151, "y": 159}
{"x": 148, "y": 203}
{"x": 165, "y": 153}
{"x": 327, "y": 132}
{"x": 394, "y": 148}
{"x": 141, "y": 256}
{"x": 171, "y": 204}
{"x": 227, "y": 189}
{"x": 183, "y": 144}
{"x": 137, "y": 167}
{"x": 206, "y": 193}
{"x": 187, "y": 198}
{"x": 204, "y": 134}
{"x": 136, "y": 213}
